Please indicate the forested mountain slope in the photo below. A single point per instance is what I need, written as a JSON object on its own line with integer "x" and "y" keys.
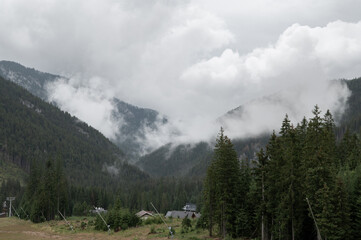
{"x": 132, "y": 124}
{"x": 194, "y": 159}
{"x": 351, "y": 119}
{"x": 178, "y": 160}
{"x": 32, "y": 80}
{"x": 130, "y": 120}
{"x": 33, "y": 130}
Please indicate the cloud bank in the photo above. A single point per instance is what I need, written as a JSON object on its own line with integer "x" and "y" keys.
{"x": 190, "y": 60}
{"x": 89, "y": 103}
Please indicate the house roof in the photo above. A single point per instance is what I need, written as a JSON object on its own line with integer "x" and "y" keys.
{"x": 182, "y": 214}
{"x": 144, "y": 213}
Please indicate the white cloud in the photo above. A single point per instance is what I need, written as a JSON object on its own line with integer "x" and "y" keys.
{"x": 295, "y": 72}
{"x": 191, "y": 60}
{"x": 88, "y": 103}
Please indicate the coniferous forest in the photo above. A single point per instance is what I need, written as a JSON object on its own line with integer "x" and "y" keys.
{"x": 303, "y": 184}
{"x": 40, "y": 143}
{"x": 182, "y": 120}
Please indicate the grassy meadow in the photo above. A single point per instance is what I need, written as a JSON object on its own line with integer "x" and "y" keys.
{"x": 16, "y": 229}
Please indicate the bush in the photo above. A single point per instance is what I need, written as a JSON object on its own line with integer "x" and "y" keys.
{"x": 99, "y": 224}
{"x": 202, "y": 222}
{"x": 118, "y": 219}
{"x": 83, "y": 225}
{"x": 152, "y": 229}
{"x": 186, "y": 224}
{"x": 153, "y": 220}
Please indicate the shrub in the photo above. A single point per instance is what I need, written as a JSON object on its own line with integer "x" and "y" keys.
{"x": 153, "y": 220}
{"x": 202, "y": 222}
{"x": 83, "y": 225}
{"x": 186, "y": 224}
{"x": 152, "y": 229}
{"x": 118, "y": 219}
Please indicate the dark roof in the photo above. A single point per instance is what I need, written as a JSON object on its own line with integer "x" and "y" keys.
{"x": 182, "y": 214}
{"x": 144, "y": 213}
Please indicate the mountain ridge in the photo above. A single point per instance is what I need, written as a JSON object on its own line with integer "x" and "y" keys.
{"x": 192, "y": 159}
{"x": 33, "y": 130}
{"x": 130, "y": 119}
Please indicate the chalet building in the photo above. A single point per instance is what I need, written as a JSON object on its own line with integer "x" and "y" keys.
{"x": 189, "y": 211}
{"x": 144, "y": 215}
{"x": 182, "y": 214}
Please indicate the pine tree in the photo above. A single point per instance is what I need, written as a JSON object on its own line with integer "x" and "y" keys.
{"x": 209, "y": 198}
{"x": 46, "y": 192}
{"x": 260, "y": 173}
{"x": 222, "y": 184}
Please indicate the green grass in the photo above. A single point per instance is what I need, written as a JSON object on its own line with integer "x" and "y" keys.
{"x": 13, "y": 228}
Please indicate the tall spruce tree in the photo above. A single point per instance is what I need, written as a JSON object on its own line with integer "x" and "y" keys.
{"x": 222, "y": 187}
{"x": 260, "y": 173}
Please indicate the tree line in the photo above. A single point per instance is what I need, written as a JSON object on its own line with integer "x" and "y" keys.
{"x": 48, "y": 191}
{"x": 304, "y": 185}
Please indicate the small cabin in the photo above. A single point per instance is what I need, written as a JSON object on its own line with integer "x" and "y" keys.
{"x": 144, "y": 215}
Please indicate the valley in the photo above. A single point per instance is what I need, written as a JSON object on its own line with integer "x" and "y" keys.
{"x": 48, "y": 155}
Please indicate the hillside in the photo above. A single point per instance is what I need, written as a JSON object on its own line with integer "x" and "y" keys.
{"x": 32, "y": 80}
{"x": 351, "y": 119}
{"x": 177, "y": 161}
{"x": 170, "y": 160}
{"x": 131, "y": 120}
{"x": 33, "y": 130}
{"x": 193, "y": 160}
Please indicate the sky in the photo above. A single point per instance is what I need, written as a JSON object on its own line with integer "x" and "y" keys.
{"x": 192, "y": 61}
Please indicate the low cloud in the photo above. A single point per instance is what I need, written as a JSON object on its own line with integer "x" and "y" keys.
{"x": 91, "y": 103}
{"x": 190, "y": 60}
{"x": 288, "y": 77}
{"x": 111, "y": 169}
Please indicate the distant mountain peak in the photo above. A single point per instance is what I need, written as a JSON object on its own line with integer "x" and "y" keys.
{"x": 29, "y": 78}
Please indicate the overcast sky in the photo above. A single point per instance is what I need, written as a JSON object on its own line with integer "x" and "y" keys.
{"x": 190, "y": 60}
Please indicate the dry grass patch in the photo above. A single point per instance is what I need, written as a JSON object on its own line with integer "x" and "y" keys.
{"x": 16, "y": 229}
